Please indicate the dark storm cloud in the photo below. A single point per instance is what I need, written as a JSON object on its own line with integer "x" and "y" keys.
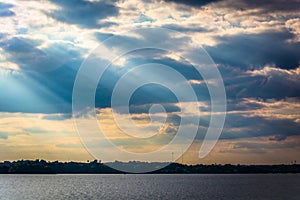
{"x": 31, "y": 59}
{"x": 5, "y": 10}
{"x": 252, "y": 50}
{"x": 28, "y": 56}
{"x": 255, "y": 118}
{"x": 272, "y": 86}
{"x": 238, "y": 126}
{"x": 267, "y": 83}
{"x": 237, "y": 55}
{"x": 83, "y": 13}
{"x": 197, "y": 3}
{"x": 238, "y": 83}
{"x": 265, "y": 5}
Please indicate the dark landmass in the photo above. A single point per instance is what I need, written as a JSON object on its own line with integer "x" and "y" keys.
{"x": 95, "y": 167}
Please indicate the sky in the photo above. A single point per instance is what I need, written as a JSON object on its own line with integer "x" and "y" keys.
{"x": 255, "y": 46}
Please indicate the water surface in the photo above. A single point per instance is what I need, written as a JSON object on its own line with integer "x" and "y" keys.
{"x": 191, "y": 186}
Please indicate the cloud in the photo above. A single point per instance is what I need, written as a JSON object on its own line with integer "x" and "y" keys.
{"x": 84, "y": 13}
{"x": 246, "y": 118}
{"x": 239, "y": 126}
{"x": 266, "y": 82}
{"x": 278, "y": 138}
{"x": 58, "y": 117}
{"x": 263, "y": 146}
{"x": 265, "y": 6}
{"x": 273, "y": 82}
{"x": 186, "y": 29}
{"x": 259, "y": 150}
{"x": 252, "y": 50}
{"x": 30, "y": 58}
{"x": 293, "y": 25}
{"x": 256, "y": 118}
{"x": 196, "y": 3}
